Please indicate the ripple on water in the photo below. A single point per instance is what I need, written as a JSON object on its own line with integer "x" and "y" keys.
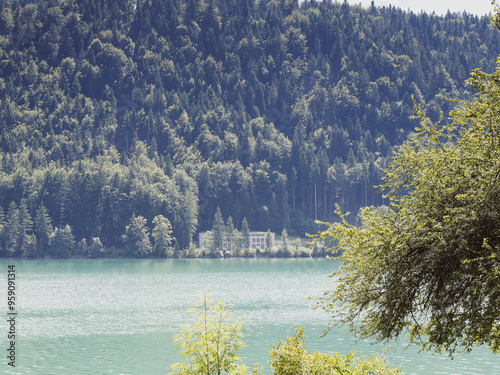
{"x": 118, "y": 316}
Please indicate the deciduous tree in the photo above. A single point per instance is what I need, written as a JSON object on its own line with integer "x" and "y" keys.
{"x": 62, "y": 242}
{"x": 209, "y": 345}
{"x": 136, "y": 237}
{"x": 430, "y": 264}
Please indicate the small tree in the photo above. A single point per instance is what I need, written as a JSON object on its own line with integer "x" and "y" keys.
{"x": 245, "y": 234}
{"x": 218, "y": 230}
{"x": 209, "y": 345}
{"x": 162, "y": 236}
{"x": 136, "y": 237}
{"x": 12, "y": 230}
{"x": 284, "y": 238}
{"x": 298, "y": 246}
{"x": 95, "y": 249}
{"x": 62, "y": 242}
{"x": 42, "y": 228}
{"x": 269, "y": 241}
{"x": 230, "y": 233}
{"x": 27, "y": 244}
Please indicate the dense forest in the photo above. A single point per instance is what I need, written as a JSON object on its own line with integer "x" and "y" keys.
{"x": 125, "y": 124}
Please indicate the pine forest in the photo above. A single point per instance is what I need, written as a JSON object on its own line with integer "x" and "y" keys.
{"x": 127, "y": 125}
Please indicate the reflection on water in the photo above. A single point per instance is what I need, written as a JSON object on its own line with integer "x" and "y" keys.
{"x": 118, "y": 316}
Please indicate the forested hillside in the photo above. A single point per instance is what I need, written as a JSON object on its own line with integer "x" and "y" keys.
{"x": 121, "y": 118}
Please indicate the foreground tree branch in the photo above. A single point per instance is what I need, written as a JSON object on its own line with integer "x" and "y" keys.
{"x": 430, "y": 264}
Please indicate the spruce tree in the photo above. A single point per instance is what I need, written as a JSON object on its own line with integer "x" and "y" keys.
{"x": 269, "y": 242}
{"x": 284, "y": 238}
{"x": 245, "y": 233}
{"x": 162, "y": 236}
{"x": 42, "y": 229}
{"x": 218, "y": 229}
{"x": 230, "y": 233}
{"x": 12, "y": 230}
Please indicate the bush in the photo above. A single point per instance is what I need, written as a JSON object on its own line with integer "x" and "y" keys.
{"x": 291, "y": 358}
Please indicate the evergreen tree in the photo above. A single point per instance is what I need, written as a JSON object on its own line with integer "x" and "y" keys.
{"x": 3, "y": 229}
{"x": 119, "y": 105}
{"x": 42, "y": 229}
{"x": 298, "y": 246}
{"x": 230, "y": 235}
{"x": 218, "y": 230}
{"x": 27, "y": 243}
{"x": 284, "y": 238}
{"x": 12, "y": 230}
{"x": 245, "y": 234}
{"x": 268, "y": 242}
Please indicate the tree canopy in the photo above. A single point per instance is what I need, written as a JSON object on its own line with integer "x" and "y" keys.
{"x": 270, "y": 110}
{"x": 430, "y": 263}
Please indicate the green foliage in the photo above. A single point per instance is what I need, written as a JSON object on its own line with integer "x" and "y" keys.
{"x": 245, "y": 233}
{"x": 162, "y": 236}
{"x": 209, "y": 345}
{"x": 268, "y": 241}
{"x": 62, "y": 242}
{"x": 218, "y": 231}
{"x": 430, "y": 264}
{"x": 42, "y": 229}
{"x": 136, "y": 237}
{"x": 17, "y": 238}
{"x": 95, "y": 249}
{"x": 290, "y": 357}
{"x": 230, "y": 234}
{"x": 152, "y": 107}
{"x": 284, "y": 238}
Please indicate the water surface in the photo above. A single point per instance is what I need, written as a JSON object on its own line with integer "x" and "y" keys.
{"x": 118, "y": 316}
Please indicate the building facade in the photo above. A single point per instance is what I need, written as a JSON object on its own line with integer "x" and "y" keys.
{"x": 257, "y": 240}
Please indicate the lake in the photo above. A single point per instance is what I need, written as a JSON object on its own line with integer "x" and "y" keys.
{"x": 118, "y": 316}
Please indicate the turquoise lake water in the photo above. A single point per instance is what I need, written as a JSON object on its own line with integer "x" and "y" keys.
{"x": 118, "y": 316}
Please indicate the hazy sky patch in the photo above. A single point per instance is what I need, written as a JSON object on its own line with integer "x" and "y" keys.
{"x": 478, "y": 7}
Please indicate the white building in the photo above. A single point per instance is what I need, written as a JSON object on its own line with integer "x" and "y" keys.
{"x": 257, "y": 240}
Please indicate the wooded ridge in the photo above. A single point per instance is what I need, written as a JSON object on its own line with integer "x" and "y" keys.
{"x": 130, "y": 118}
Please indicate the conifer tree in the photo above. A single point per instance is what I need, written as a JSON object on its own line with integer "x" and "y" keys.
{"x": 268, "y": 241}
{"x": 245, "y": 234}
{"x": 230, "y": 233}
{"x": 12, "y": 230}
{"x": 284, "y": 238}
{"x": 42, "y": 229}
{"x": 218, "y": 230}
{"x": 162, "y": 236}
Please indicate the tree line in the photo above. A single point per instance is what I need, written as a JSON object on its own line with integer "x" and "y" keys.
{"x": 132, "y": 111}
